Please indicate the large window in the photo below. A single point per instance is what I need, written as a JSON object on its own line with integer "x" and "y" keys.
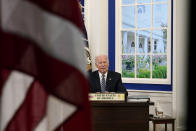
{"x": 143, "y": 41}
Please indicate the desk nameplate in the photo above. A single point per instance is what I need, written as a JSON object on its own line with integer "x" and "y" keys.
{"x": 106, "y": 96}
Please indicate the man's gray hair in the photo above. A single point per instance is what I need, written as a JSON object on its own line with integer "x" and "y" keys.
{"x": 96, "y": 57}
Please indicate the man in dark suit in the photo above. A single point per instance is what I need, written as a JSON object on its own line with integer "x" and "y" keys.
{"x": 103, "y": 80}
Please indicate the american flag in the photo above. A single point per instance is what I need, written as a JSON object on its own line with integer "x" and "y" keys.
{"x": 85, "y": 38}
{"x": 42, "y": 67}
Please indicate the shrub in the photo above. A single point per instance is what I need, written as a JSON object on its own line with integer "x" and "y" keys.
{"x": 143, "y": 73}
{"x": 159, "y": 72}
{"x": 128, "y": 74}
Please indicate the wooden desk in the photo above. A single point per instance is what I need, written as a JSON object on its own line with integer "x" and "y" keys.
{"x": 125, "y": 116}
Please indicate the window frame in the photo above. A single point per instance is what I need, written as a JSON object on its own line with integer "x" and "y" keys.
{"x": 118, "y": 51}
{"x": 113, "y": 58}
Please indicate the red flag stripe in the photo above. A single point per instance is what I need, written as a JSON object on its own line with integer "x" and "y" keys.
{"x": 15, "y": 88}
{"x": 31, "y": 54}
{"x": 62, "y": 8}
{"x": 4, "y": 73}
{"x": 31, "y": 111}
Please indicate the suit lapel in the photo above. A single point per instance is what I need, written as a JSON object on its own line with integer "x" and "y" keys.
{"x": 98, "y": 80}
{"x": 108, "y": 80}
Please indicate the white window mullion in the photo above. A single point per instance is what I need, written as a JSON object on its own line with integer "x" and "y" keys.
{"x": 136, "y": 25}
{"x": 151, "y": 39}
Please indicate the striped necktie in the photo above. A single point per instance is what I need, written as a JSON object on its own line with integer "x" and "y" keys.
{"x": 103, "y": 83}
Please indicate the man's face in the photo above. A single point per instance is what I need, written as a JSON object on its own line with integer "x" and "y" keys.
{"x": 102, "y": 64}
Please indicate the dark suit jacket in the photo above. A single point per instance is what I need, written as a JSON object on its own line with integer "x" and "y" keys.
{"x": 113, "y": 82}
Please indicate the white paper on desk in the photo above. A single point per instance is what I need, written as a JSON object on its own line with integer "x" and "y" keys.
{"x": 137, "y": 100}
{"x": 138, "y": 97}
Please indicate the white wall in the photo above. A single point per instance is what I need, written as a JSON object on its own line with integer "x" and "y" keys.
{"x": 97, "y": 27}
{"x": 181, "y": 53}
{"x": 173, "y": 103}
